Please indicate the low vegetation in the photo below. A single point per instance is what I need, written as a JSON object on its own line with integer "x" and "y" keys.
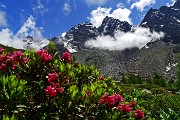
{"x": 43, "y": 85}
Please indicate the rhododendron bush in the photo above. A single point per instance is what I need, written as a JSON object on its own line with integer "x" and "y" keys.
{"x": 43, "y": 85}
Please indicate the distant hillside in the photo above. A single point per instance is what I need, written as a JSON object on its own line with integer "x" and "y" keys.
{"x": 10, "y": 49}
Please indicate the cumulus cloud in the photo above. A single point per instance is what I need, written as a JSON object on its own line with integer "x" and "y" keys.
{"x": 29, "y": 29}
{"x": 67, "y": 8}
{"x": 16, "y": 40}
{"x": 3, "y": 20}
{"x": 95, "y": 2}
{"x": 97, "y": 16}
{"x": 7, "y": 38}
{"x": 138, "y": 37}
{"x": 141, "y": 4}
{"x": 171, "y": 3}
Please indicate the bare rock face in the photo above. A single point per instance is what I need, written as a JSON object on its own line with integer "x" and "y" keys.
{"x": 154, "y": 58}
{"x": 158, "y": 58}
{"x": 110, "y": 25}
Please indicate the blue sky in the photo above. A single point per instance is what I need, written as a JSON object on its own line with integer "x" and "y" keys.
{"x": 49, "y": 18}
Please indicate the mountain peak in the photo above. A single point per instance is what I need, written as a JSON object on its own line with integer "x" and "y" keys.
{"x": 110, "y": 24}
{"x": 177, "y": 4}
{"x": 165, "y": 19}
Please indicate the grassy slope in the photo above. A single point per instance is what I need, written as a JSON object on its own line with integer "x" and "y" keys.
{"x": 9, "y": 49}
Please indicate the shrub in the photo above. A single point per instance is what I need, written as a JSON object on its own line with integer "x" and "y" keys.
{"x": 42, "y": 85}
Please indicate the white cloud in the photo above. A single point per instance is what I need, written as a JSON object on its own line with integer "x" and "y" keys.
{"x": 171, "y": 3}
{"x": 40, "y": 8}
{"x": 122, "y": 14}
{"x": 138, "y": 37}
{"x": 95, "y": 2}
{"x": 97, "y": 16}
{"x": 28, "y": 29}
{"x": 120, "y": 5}
{"x": 67, "y": 8}
{"x": 3, "y": 6}
{"x": 3, "y": 20}
{"x": 141, "y": 4}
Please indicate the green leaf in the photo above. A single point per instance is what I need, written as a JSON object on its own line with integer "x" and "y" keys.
{"x": 163, "y": 115}
{"x": 61, "y": 67}
{"x": 6, "y": 94}
{"x": 5, "y": 117}
{"x": 13, "y": 117}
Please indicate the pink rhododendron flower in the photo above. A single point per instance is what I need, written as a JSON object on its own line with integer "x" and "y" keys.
{"x": 126, "y": 108}
{"x": 110, "y": 101}
{"x": 50, "y": 91}
{"x": 1, "y": 49}
{"x": 17, "y": 54}
{"x": 44, "y": 55}
{"x": 66, "y": 57}
{"x": 138, "y": 114}
{"x": 25, "y": 60}
{"x": 55, "y": 85}
{"x": 2, "y": 66}
{"x": 2, "y": 57}
{"x": 103, "y": 99}
{"x": 107, "y": 99}
{"x": 52, "y": 77}
{"x": 60, "y": 90}
{"x": 13, "y": 66}
{"x": 118, "y": 97}
{"x": 132, "y": 104}
{"x": 119, "y": 107}
{"x": 8, "y": 60}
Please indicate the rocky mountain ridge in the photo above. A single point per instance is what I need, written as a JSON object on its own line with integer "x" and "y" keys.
{"x": 157, "y": 57}
{"x": 166, "y": 19}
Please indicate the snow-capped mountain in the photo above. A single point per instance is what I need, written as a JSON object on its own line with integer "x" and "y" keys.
{"x": 33, "y": 43}
{"x": 76, "y": 37}
{"x": 157, "y": 57}
{"x": 110, "y": 25}
{"x": 166, "y": 19}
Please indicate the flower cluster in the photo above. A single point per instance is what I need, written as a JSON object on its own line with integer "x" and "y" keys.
{"x": 17, "y": 54}
{"x": 138, "y": 114}
{"x": 53, "y": 88}
{"x": 44, "y": 55}
{"x": 66, "y": 57}
{"x": 11, "y": 60}
{"x": 125, "y": 108}
{"x": 111, "y": 100}
{"x": 1, "y": 50}
{"x": 52, "y": 77}
{"x": 117, "y": 100}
